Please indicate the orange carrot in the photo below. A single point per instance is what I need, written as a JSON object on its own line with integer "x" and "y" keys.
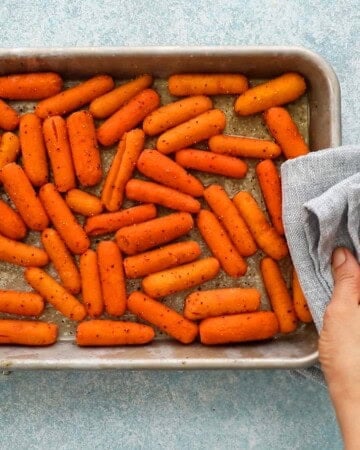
{"x": 102, "y": 107}
{"x": 128, "y": 117}
{"x": 207, "y": 83}
{"x": 165, "y": 171}
{"x": 300, "y": 304}
{"x": 284, "y": 130}
{"x": 211, "y": 163}
{"x": 284, "y": 89}
{"x": 9, "y": 118}
{"x": 21, "y": 303}
{"x": 83, "y": 203}
{"x": 220, "y": 244}
{"x": 91, "y": 283}
{"x": 191, "y": 132}
{"x": 30, "y": 86}
{"x": 21, "y": 254}
{"x": 267, "y": 238}
{"x": 62, "y": 260}
{"x": 21, "y": 192}
{"x": 26, "y": 332}
{"x": 166, "y": 319}
{"x": 244, "y": 147}
{"x": 174, "y": 113}
{"x": 179, "y": 278}
{"x": 279, "y": 295}
{"x": 254, "y": 326}
{"x": 160, "y": 259}
{"x": 74, "y": 97}
{"x": 63, "y": 220}
{"x": 9, "y": 148}
{"x": 11, "y": 224}
{"x": 143, "y": 236}
{"x": 110, "y": 333}
{"x": 84, "y": 148}
{"x": 33, "y": 149}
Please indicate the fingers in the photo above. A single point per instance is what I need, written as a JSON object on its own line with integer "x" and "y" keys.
{"x": 346, "y": 274}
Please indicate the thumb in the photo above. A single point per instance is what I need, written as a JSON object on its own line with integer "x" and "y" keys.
{"x": 346, "y": 274}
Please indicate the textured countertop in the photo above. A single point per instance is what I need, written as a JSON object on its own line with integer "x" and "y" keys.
{"x": 179, "y": 410}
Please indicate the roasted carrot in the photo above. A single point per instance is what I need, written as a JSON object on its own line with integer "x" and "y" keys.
{"x": 74, "y": 97}
{"x": 9, "y": 118}
{"x": 9, "y": 148}
{"x": 143, "y": 236}
{"x": 300, "y": 304}
{"x": 11, "y": 224}
{"x": 207, "y": 83}
{"x": 91, "y": 283}
{"x": 110, "y": 332}
{"x": 244, "y": 147}
{"x": 128, "y": 117}
{"x": 166, "y": 319}
{"x": 30, "y": 86}
{"x": 21, "y": 303}
{"x": 254, "y": 326}
{"x": 26, "y": 332}
{"x": 285, "y": 132}
{"x": 278, "y": 91}
{"x": 179, "y": 278}
{"x": 83, "y": 203}
{"x": 195, "y": 130}
{"x": 266, "y": 237}
{"x": 21, "y": 254}
{"x": 279, "y": 295}
{"x": 63, "y": 220}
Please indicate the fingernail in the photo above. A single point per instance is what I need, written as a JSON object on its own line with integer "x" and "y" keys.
{"x": 339, "y": 257}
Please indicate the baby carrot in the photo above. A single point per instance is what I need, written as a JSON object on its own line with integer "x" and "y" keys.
{"x": 160, "y": 259}
{"x": 18, "y": 187}
{"x": 62, "y": 260}
{"x": 128, "y": 117}
{"x": 91, "y": 283}
{"x": 148, "y": 192}
{"x": 111, "y": 332}
{"x": 209, "y": 162}
{"x": 9, "y": 148}
{"x": 279, "y": 295}
{"x": 63, "y": 220}
{"x": 143, "y": 236}
{"x": 244, "y": 147}
{"x": 11, "y": 224}
{"x": 9, "y": 118}
{"x": 267, "y": 238}
{"x": 172, "y": 114}
{"x": 74, "y": 97}
{"x": 21, "y": 254}
{"x": 218, "y": 302}
{"x": 179, "y": 278}
{"x": 83, "y": 203}
{"x": 102, "y": 107}
{"x": 21, "y": 303}
{"x": 207, "y": 83}
{"x": 30, "y": 86}
{"x": 284, "y": 89}
{"x": 84, "y": 148}
{"x": 112, "y": 278}
{"x": 300, "y": 304}
{"x": 195, "y": 130}
{"x": 33, "y": 151}
{"x": 27, "y": 332}
{"x": 55, "y": 294}
{"x": 166, "y": 319}
{"x": 254, "y": 326}
{"x": 284, "y": 130}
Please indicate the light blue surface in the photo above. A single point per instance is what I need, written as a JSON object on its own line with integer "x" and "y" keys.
{"x": 179, "y": 410}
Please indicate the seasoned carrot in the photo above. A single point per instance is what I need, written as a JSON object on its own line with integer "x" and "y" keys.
{"x": 21, "y": 303}
{"x": 26, "y": 332}
{"x": 63, "y": 220}
{"x": 110, "y": 333}
{"x": 143, "y": 236}
{"x": 83, "y": 203}
{"x": 9, "y": 118}
{"x": 62, "y": 260}
{"x": 9, "y": 148}
{"x": 91, "y": 283}
{"x": 74, "y": 97}
{"x": 160, "y": 259}
{"x": 254, "y": 326}
{"x": 270, "y": 184}
{"x": 166, "y": 319}
{"x": 30, "y": 86}
{"x": 11, "y": 224}
{"x": 266, "y": 237}
{"x": 211, "y": 163}
{"x": 195, "y": 130}
{"x": 278, "y": 91}
{"x": 244, "y": 147}
{"x": 33, "y": 151}
{"x": 179, "y": 278}
{"x": 84, "y": 148}
{"x": 217, "y": 302}
{"x": 149, "y": 192}
{"x": 172, "y": 114}
{"x": 109, "y": 222}
{"x": 112, "y": 277}
{"x": 279, "y": 295}
{"x": 102, "y": 107}
{"x": 128, "y": 117}
{"x": 21, "y": 192}
{"x": 285, "y": 132}
{"x": 300, "y": 304}
{"x": 21, "y": 254}
{"x": 207, "y": 83}
{"x": 55, "y": 294}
